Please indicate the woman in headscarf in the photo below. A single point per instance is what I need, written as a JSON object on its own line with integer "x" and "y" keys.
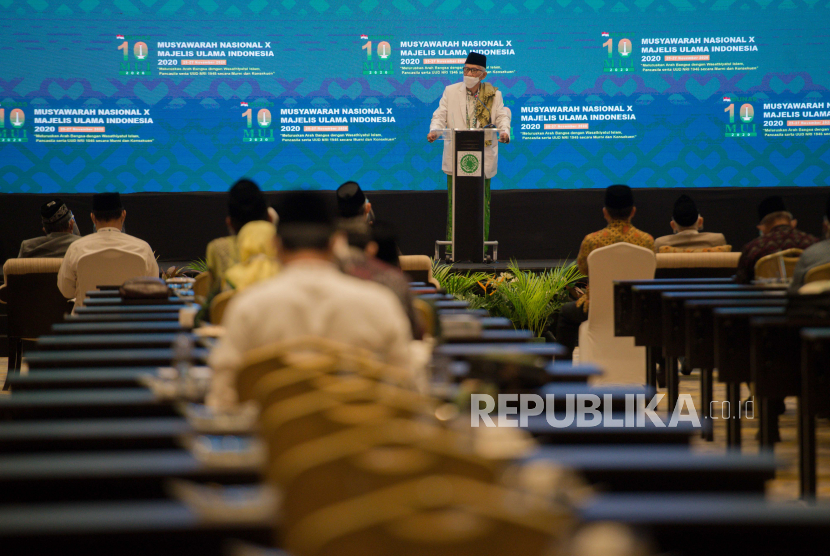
{"x": 257, "y": 255}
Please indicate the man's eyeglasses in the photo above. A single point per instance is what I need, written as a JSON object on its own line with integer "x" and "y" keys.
{"x": 473, "y": 71}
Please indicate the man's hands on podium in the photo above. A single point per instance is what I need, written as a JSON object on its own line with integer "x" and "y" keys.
{"x": 504, "y": 137}
{"x": 433, "y": 135}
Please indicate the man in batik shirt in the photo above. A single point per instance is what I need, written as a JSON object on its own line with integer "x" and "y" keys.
{"x": 778, "y": 232}
{"x": 618, "y": 211}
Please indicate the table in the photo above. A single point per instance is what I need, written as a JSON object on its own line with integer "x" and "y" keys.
{"x": 110, "y": 341}
{"x": 84, "y": 404}
{"x": 814, "y": 399}
{"x": 492, "y": 337}
{"x": 126, "y": 327}
{"x": 129, "y": 309}
{"x": 151, "y": 357}
{"x": 122, "y": 317}
{"x": 81, "y": 378}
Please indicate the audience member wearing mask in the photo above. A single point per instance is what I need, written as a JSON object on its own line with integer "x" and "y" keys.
{"x": 309, "y": 297}
{"x": 778, "y": 232}
{"x": 687, "y": 223}
{"x": 60, "y": 228}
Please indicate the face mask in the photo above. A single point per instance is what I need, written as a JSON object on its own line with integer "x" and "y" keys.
{"x": 75, "y": 229}
{"x": 470, "y": 81}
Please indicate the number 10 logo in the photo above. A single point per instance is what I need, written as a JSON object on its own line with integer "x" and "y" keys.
{"x": 623, "y": 61}
{"x": 382, "y": 65}
{"x": 141, "y": 65}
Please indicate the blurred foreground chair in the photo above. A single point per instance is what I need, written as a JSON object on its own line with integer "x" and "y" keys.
{"x": 419, "y": 267}
{"x": 219, "y": 305}
{"x": 439, "y": 515}
{"x": 335, "y": 406}
{"x": 110, "y": 267}
{"x": 426, "y": 316}
{"x": 818, "y": 273}
{"x": 358, "y": 460}
{"x": 34, "y": 302}
{"x": 622, "y": 361}
{"x": 778, "y": 266}
{"x": 201, "y": 287}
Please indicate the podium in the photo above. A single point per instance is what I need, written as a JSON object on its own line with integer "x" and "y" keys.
{"x": 468, "y": 193}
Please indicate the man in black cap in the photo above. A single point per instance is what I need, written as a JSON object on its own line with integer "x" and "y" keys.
{"x": 778, "y": 232}
{"x": 246, "y": 203}
{"x": 309, "y": 297}
{"x": 471, "y": 104}
{"x": 352, "y": 202}
{"x": 618, "y": 211}
{"x": 815, "y": 255}
{"x": 60, "y": 229}
{"x": 108, "y": 217}
{"x": 687, "y": 223}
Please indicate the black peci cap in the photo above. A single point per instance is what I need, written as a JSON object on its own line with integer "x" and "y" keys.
{"x": 350, "y": 200}
{"x": 304, "y": 207}
{"x": 771, "y": 205}
{"x": 102, "y": 202}
{"x": 618, "y": 197}
{"x": 685, "y": 211}
{"x": 476, "y": 59}
{"x": 55, "y": 212}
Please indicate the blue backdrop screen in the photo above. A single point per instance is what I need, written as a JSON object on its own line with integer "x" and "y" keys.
{"x": 186, "y": 95}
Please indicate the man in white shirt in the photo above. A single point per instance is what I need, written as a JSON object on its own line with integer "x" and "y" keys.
{"x": 471, "y": 104}
{"x": 108, "y": 217}
{"x": 309, "y": 297}
{"x": 687, "y": 222}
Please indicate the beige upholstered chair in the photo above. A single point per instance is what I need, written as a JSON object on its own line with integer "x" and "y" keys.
{"x": 818, "y": 273}
{"x": 33, "y": 299}
{"x": 201, "y": 286}
{"x": 620, "y": 359}
{"x": 419, "y": 267}
{"x": 777, "y": 265}
{"x": 109, "y": 267}
{"x": 219, "y": 304}
{"x": 357, "y": 460}
{"x": 696, "y": 265}
{"x": 439, "y": 515}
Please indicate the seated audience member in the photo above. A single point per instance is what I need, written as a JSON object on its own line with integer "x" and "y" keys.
{"x": 60, "y": 229}
{"x": 352, "y": 203}
{"x": 108, "y": 217}
{"x": 360, "y": 260}
{"x": 618, "y": 211}
{"x": 815, "y": 255}
{"x": 778, "y": 232}
{"x": 257, "y": 246}
{"x": 310, "y": 296}
{"x": 246, "y": 203}
{"x": 687, "y": 224}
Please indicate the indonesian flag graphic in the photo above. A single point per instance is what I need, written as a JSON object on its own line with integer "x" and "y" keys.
{"x": 119, "y": 37}
{"x": 245, "y": 104}
{"x": 605, "y": 34}
{"x": 727, "y": 98}
{"x": 364, "y": 37}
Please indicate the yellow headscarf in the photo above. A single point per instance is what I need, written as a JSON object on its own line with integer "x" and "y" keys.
{"x": 257, "y": 255}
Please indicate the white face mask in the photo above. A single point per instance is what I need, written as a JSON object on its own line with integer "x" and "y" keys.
{"x": 470, "y": 81}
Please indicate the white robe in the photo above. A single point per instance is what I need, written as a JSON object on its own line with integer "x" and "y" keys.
{"x": 451, "y": 114}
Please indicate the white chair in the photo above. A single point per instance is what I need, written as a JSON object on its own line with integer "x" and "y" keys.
{"x": 619, "y": 358}
{"x": 110, "y": 267}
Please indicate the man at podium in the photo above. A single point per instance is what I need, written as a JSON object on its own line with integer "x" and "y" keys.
{"x": 471, "y": 104}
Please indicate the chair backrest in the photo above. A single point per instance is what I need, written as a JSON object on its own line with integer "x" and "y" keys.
{"x": 108, "y": 267}
{"x": 696, "y": 265}
{"x": 31, "y": 293}
{"x": 419, "y": 267}
{"x": 201, "y": 286}
{"x": 620, "y": 261}
{"x": 426, "y": 316}
{"x": 818, "y": 273}
{"x": 218, "y": 306}
{"x": 778, "y": 265}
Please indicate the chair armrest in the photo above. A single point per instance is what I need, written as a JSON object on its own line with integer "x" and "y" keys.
{"x": 3, "y": 293}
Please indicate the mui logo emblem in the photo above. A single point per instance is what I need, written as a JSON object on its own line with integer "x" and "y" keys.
{"x": 138, "y": 64}
{"x": 744, "y": 127}
{"x": 619, "y": 59}
{"x": 263, "y": 132}
{"x": 381, "y": 64}
{"x": 15, "y": 133}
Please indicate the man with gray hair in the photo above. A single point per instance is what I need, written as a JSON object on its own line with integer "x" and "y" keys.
{"x": 778, "y": 233}
{"x": 816, "y": 255}
{"x": 60, "y": 229}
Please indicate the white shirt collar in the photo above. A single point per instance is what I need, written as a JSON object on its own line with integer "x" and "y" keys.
{"x": 109, "y": 229}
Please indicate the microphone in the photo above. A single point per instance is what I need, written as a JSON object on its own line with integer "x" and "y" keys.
{"x": 491, "y": 125}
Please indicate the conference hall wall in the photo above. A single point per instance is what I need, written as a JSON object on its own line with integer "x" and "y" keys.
{"x": 173, "y": 100}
